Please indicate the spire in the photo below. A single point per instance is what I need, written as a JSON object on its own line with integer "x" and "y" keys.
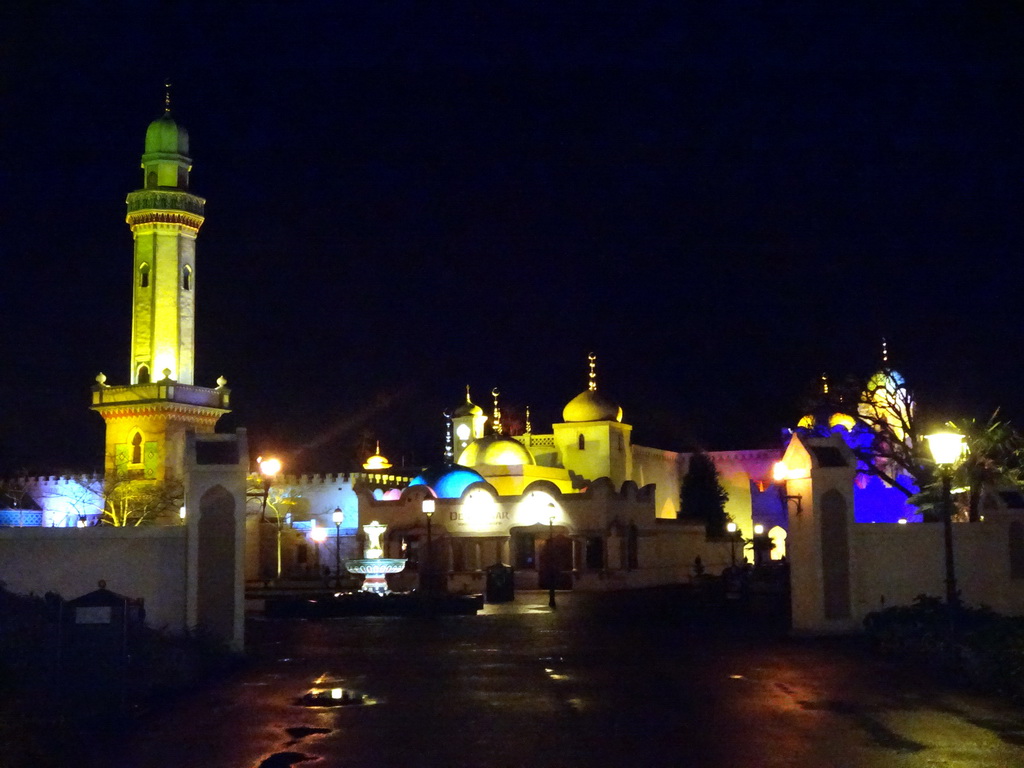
{"x": 167, "y": 96}
{"x": 449, "y": 446}
{"x": 592, "y": 385}
{"x": 885, "y": 353}
{"x": 824, "y": 384}
{"x": 497, "y": 412}
{"x": 529, "y": 429}
{"x": 467, "y": 394}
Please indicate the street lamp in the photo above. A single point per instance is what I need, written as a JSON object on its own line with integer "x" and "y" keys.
{"x": 947, "y": 448}
{"x": 337, "y": 517}
{"x": 732, "y": 530}
{"x": 269, "y": 468}
{"x": 551, "y": 556}
{"x": 429, "y": 505}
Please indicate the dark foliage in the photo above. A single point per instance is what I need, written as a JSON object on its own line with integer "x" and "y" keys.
{"x": 974, "y": 645}
{"x": 702, "y": 496}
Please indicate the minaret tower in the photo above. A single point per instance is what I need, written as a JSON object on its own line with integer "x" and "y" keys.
{"x": 164, "y": 218}
{"x": 147, "y": 419}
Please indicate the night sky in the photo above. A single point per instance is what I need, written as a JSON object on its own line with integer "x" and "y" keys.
{"x": 722, "y": 200}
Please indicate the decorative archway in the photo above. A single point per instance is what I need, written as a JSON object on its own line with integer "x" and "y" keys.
{"x": 835, "y": 555}
{"x": 215, "y": 599}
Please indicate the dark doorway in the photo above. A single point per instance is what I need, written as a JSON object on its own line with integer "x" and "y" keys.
{"x": 555, "y": 562}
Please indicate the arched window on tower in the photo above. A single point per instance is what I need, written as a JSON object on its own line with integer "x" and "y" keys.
{"x": 143, "y": 374}
{"x": 144, "y": 275}
{"x": 137, "y": 448}
{"x": 581, "y": 442}
{"x": 151, "y": 180}
{"x": 186, "y": 278}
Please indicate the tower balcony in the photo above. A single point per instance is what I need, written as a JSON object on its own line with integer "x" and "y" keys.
{"x": 161, "y": 391}
{"x": 165, "y": 200}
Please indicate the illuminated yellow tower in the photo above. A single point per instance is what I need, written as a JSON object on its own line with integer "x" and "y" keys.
{"x": 147, "y": 419}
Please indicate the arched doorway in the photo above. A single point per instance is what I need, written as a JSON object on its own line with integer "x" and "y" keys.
{"x": 554, "y": 562}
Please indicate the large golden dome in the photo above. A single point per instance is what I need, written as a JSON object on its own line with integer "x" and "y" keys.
{"x": 495, "y": 450}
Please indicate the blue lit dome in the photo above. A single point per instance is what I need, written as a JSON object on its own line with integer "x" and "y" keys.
{"x": 448, "y": 481}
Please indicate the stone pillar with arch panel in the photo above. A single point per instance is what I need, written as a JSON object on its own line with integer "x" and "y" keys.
{"x": 817, "y": 477}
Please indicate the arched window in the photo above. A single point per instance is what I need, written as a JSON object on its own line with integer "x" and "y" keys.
{"x": 137, "y": 448}
{"x": 151, "y": 180}
{"x": 143, "y": 374}
{"x": 581, "y": 442}
{"x": 144, "y": 275}
{"x": 186, "y": 278}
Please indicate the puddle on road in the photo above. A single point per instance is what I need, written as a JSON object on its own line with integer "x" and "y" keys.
{"x": 302, "y": 731}
{"x": 286, "y": 760}
{"x": 334, "y": 697}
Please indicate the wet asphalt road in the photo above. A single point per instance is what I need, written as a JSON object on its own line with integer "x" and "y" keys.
{"x": 583, "y": 686}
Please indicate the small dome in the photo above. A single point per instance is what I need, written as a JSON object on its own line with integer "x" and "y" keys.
{"x": 591, "y": 405}
{"x": 806, "y": 422}
{"x": 467, "y": 409}
{"x": 496, "y": 450}
{"x": 377, "y": 461}
{"x": 448, "y": 481}
{"x": 842, "y": 420}
{"x": 166, "y": 137}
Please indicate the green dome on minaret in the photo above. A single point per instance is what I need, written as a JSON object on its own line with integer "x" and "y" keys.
{"x": 165, "y": 136}
{"x": 165, "y": 162}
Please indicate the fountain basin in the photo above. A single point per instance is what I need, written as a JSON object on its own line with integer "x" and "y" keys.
{"x": 375, "y": 569}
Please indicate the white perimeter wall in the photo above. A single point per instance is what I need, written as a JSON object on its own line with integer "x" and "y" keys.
{"x": 135, "y": 562}
{"x": 893, "y": 564}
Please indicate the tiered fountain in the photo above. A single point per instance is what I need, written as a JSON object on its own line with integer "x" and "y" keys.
{"x": 374, "y": 567}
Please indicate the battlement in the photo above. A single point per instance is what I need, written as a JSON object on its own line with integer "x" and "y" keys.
{"x": 298, "y": 482}
{"x": 51, "y": 481}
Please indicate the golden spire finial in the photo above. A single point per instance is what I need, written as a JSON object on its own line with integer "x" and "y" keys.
{"x": 592, "y": 385}
{"x": 378, "y": 447}
{"x": 529, "y": 429}
{"x": 167, "y": 96}
{"x": 467, "y": 394}
{"x": 449, "y": 445}
{"x": 824, "y": 383}
{"x": 497, "y": 412}
{"x": 885, "y": 353}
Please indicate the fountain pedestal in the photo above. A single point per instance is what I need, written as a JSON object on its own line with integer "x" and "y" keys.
{"x": 374, "y": 567}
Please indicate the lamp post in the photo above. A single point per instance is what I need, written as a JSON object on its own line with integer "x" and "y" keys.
{"x": 429, "y": 506}
{"x": 269, "y": 468}
{"x": 947, "y": 448}
{"x": 551, "y": 556}
{"x": 337, "y": 517}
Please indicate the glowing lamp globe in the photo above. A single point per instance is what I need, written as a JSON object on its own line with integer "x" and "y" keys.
{"x": 731, "y": 527}
{"x": 338, "y": 517}
{"x": 946, "y": 447}
{"x": 269, "y": 467}
{"x": 780, "y": 472}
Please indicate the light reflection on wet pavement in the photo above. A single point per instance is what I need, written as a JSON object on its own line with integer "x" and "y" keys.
{"x": 583, "y": 686}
